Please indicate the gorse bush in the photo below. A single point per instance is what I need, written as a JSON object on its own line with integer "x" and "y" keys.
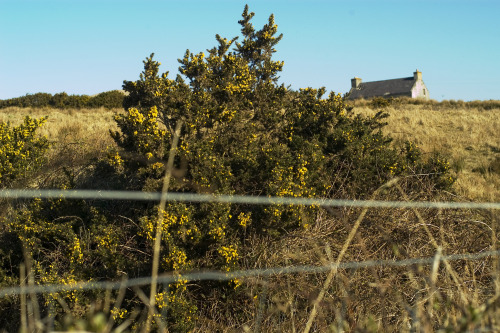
{"x": 381, "y": 102}
{"x": 243, "y": 132}
{"x": 21, "y": 150}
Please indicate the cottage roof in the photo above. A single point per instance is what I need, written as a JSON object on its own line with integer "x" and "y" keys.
{"x": 383, "y": 88}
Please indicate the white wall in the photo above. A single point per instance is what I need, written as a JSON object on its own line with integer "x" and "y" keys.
{"x": 418, "y": 90}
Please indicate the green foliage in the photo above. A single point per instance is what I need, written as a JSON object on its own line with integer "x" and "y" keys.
{"x": 21, "y": 150}
{"x": 402, "y": 102}
{"x": 30, "y": 100}
{"x": 438, "y": 168}
{"x": 381, "y": 102}
{"x": 110, "y": 100}
{"x": 68, "y": 241}
{"x": 243, "y": 133}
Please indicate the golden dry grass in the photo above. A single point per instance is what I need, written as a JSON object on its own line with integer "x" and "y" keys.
{"x": 415, "y": 298}
{"x": 88, "y": 125}
{"x": 467, "y": 133}
{"x": 77, "y": 135}
{"x": 461, "y": 296}
{"x": 469, "y": 137}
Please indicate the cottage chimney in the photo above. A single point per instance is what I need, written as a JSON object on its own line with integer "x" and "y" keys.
{"x": 417, "y": 75}
{"x": 355, "y": 82}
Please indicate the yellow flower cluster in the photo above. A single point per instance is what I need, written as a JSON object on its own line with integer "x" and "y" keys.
{"x": 26, "y": 227}
{"x": 135, "y": 116}
{"x": 117, "y": 313}
{"x": 218, "y": 232}
{"x": 392, "y": 168}
{"x": 241, "y": 79}
{"x": 51, "y": 275}
{"x": 143, "y": 129}
{"x": 348, "y": 136}
{"x": 177, "y": 259}
{"x": 76, "y": 255}
{"x": 173, "y": 295}
{"x": 115, "y": 159}
{"x": 20, "y": 149}
{"x": 230, "y": 255}
{"x": 175, "y": 300}
{"x": 178, "y": 220}
{"x": 157, "y": 166}
{"x": 244, "y": 219}
{"x": 292, "y": 181}
{"x": 161, "y": 300}
{"x": 106, "y": 239}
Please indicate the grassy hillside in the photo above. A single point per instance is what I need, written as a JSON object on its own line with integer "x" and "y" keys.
{"x": 468, "y": 133}
{"x": 459, "y": 295}
{"x": 77, "y": 135}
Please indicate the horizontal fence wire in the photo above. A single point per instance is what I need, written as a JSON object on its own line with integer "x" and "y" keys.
{"x": 225, "y": 276}
{"x": 256, "y": 200}
{"x": 241, "y": 199}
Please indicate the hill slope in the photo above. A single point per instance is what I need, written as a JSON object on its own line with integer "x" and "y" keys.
{"x": 468, "y": 133}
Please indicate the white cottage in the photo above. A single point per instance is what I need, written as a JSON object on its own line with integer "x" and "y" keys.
{"x": 413, "y": 87}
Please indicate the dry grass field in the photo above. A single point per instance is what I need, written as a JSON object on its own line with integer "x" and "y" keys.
{"x": 468, "y": 136}
{"x": 77, "y": 135}
{"x": 449, "y": 296}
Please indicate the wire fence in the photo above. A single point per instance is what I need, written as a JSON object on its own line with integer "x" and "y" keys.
{"x": 239, "y": 199}
{"x": 226, "y": 276}
{"x": 220, "y": 276}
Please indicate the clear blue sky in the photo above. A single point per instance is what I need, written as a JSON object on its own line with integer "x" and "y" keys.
{"x": 87, "y": 47}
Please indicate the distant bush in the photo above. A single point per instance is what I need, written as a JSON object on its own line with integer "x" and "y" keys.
{"x": 380, "y": 102}
{"x": 65, "y": 101}
{"x": 37, "y": 100}
{"x": 110, "y": 100}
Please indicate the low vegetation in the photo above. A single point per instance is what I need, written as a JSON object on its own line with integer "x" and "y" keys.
{"x": 109, "y": 100}
{"x": 465, "y": 132}
{"x": 235, "y": 130}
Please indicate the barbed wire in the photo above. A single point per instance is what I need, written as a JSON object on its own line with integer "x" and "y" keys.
{"x": 241, "y": 274}
{"x": 241, "y": 199}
